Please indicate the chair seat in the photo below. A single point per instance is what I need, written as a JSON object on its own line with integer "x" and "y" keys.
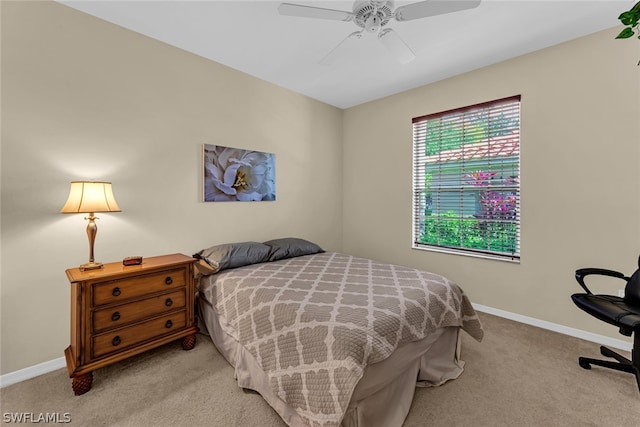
{"x": 610, "y": 309}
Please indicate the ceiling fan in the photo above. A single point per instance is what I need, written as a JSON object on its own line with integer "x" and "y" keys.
{"x": 372, "y": 16}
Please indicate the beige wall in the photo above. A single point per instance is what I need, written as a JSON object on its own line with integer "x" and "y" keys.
{"x": 84, "y": 99}
{"x": 580, "y": 175}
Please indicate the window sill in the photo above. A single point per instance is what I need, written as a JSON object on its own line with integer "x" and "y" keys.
{"x": 496, "y": 257}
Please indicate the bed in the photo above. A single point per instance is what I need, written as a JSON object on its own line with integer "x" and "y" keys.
{"x": 330, "y": 339}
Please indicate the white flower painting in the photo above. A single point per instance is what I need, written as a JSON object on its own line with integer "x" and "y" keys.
{"x": 232, "y": 174}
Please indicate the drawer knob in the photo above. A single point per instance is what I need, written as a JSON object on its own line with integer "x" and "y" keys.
{"x": 168, "y": 280}
{"x": 115, "y": 316}
{"x": 168, "y": 302}
{"x": 168, "y": 324}
{"x": 116, "y": 341}
{"x": 116, "y": 292}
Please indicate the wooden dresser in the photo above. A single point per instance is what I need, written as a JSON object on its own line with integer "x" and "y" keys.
{"x": 120, "y": 311}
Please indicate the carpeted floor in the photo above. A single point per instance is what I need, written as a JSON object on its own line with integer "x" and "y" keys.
{"x": 518, "y": 376}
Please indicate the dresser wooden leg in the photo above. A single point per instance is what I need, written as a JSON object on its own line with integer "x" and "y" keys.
{"x": 82, "y": 383}
{"x": 189, "y": 342}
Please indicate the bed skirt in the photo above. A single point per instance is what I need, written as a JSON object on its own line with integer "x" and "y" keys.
{"x": 383, "y": 396}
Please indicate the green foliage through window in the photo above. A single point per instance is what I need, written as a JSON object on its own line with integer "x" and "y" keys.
{"x": 449, "y": 230}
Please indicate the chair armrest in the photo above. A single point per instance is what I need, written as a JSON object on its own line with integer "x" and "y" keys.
{"x": 584, "y": 272}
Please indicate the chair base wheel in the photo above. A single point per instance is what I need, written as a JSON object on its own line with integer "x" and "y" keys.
{"x": 622, "y": 364}
{"x": 584, "y": 363}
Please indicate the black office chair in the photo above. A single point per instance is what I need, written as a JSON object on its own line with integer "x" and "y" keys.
{"x": 621, "y": 312}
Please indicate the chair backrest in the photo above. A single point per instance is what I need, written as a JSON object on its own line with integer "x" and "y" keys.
{"x": 632, "y": 290}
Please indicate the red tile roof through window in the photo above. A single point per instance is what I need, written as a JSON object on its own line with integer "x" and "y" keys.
{"x": 503, "y": 146}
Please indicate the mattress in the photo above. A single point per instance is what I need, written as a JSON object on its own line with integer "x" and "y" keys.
{"x": 331, "y": 339}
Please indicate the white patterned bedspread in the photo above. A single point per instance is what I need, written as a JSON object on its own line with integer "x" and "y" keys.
{"x": 315, "y": 322}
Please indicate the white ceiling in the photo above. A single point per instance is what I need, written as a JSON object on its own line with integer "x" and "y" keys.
{"x": 252, "y": 37}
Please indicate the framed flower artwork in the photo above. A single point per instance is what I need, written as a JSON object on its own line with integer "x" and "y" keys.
{"x": 233, "y": 174}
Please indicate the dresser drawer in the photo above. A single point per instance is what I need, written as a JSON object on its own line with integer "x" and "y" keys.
{"x": 136, "y": 286}
{"x": 119, "y": 315}
{"x": 120, "y": 339}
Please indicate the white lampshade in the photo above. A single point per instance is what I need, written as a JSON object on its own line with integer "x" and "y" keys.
{"x": 90, "y": 197}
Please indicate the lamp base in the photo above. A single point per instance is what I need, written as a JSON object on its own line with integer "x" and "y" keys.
{"x": 91, "y": 266}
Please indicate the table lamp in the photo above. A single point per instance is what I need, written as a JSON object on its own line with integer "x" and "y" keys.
{"x": 90, "y": 197}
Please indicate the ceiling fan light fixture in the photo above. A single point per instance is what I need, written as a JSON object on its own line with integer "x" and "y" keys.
{"x": 373, "y": 24}
{"x": 398, "y": 48}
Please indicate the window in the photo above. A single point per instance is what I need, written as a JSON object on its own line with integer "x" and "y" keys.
{"x": 466, "y": 180}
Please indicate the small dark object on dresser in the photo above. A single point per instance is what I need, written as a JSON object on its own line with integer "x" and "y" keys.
{"x": 132, "y": 260}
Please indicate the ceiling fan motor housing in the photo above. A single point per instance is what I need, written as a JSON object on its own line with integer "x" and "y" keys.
{"x": 372, "y": 15}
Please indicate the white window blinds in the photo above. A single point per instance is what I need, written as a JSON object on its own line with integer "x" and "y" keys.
{"x": 466, "y": 180}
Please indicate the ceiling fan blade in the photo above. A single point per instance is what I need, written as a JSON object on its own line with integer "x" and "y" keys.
{"x": 392, "y": 41}
{"x": 423, "y": 9}
{"x": 291, "y": 9}
{"x": 331, "y": 56}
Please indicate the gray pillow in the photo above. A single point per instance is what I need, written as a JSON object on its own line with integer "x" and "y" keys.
{"x": 289, "y": 247}
{"x": 231, "y": 255}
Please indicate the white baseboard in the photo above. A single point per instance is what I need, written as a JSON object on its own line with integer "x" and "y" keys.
{"x": 565, "y": 330}
{"x": 52, "y": 365}
{"x": 32, "y": 371}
